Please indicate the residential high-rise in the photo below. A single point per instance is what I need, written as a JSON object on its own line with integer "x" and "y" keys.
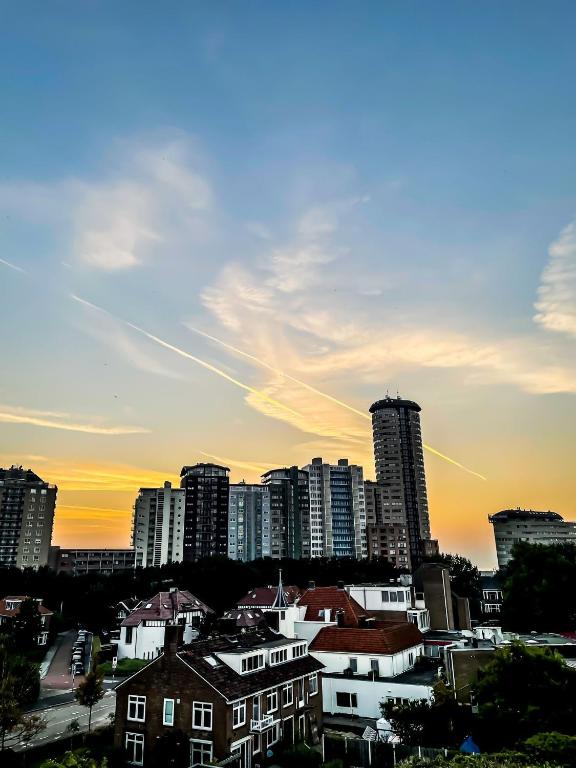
{"x": 386, "y": 528}
{"x": 337, "y": 512}
{"x": 206, "y": 510}
{"x": 26, "y": 517}
{"x": 289, "y": 512}
{"x": 399, "y": 461}
{"x": 249, "y": 522}
{"x": 158, "y": 528}
{"x": 514, "y": 525}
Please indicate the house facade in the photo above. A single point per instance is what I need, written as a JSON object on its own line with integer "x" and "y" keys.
{"x": 142, "y": 631}
{"x": 10, "y": 610}
{"x": 233, "y": 697}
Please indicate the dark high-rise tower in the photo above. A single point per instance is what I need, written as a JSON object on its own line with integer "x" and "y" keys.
{"x": 205, "y": 510}
{"x": 289, "y": 512}
{"x": 399, "y": 461}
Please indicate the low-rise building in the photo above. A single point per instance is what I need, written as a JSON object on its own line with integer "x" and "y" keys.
{"x": 80, "y": 561}
{"x": 492, "y": 595}
{"x": 10, "y": 611}
{"x": 230, "y": 698}
{"x": 366, "y": 667}
{"x": 392, "y": 601}
{"x": 142, "y": 632}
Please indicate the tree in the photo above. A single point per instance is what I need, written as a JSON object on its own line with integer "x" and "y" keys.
{"x": 556, "y": 747}
{"x": 524, "y": 691}
{"x": 474, "y": 761}
{"x": 464, "y": 576}
{"x": 541, "y": 577}
{"x": 90, "y": 692}
{"x": 73, "y": 728}
{"x": 19, "y": 685}
{"x": 80, "y": 759}
{"x": 27, "y": 625}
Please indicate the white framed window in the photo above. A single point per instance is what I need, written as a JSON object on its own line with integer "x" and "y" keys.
{"x": 271, "y": 701}
{"x": 238, "y": 713}
{"x": 137, "y": 708}
{"x": 256, "y": 743}
{"x": 134, "y": 744}
{"x": 313, "y": 684}
{"x": 278, "y": 657}
{"x": 200, "y": 752}
{"x": 168, "y": 712}
{"x": 202, "y": 715}
{"x": 273, "y": 735}
{"x": 299, "y": 650}
{"x": 287, "y": 695}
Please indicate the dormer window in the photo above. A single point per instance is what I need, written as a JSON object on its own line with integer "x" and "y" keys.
{"x": 278, "y": 657}
{"x": 253, "y": 663}
{"x": 299, "y": 651}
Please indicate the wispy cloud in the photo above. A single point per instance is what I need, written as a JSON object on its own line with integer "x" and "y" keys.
{"x": 53, "y": 420}
{"x": 556, "y": 304}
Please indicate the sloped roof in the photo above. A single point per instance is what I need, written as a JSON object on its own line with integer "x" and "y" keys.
{"x": 164, "y": 605}
{"x": 382, "y": 641}
{"x": 230, "y": 683}
{"x": 15, "y": 611}
{"x": 265, "y": 596}
{"x": 336, "y": 599}
{"x": 245, "y": 617}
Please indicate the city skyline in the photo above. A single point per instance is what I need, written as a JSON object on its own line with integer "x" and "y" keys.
{"x": 224, "y": 235}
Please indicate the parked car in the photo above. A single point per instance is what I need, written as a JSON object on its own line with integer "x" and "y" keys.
{"x": 78, "y": 668}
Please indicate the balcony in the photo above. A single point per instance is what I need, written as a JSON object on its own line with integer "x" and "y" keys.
{"x": 260, "y": 725}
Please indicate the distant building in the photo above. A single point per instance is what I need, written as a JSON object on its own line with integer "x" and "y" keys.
{"x": 142, "y": 631}
{"x": 206, "y": 510}
{"x": 393, "y": 601}
{"x": 10, "y": 610}
{"x": 399, "y": 463}
{"x": 514, "y": 525}
{"x": 26, "y": 517}
{"x": 249, "y": 522}
{"x": 231, "y": 699}
{"x": 80, "y": 561}
{"x": 158, "y": 529}
{"x": 492, "y": 595}
{"x": 337, "y": 511}
{"x": 386, "y": 527}
{"x": 448, "y": 611}
{"x": 289, "y": 512}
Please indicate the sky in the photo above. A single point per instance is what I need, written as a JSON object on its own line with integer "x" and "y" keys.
{"x": 212, "y": 215}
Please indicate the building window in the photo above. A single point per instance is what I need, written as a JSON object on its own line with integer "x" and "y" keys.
{"x": 273, "y": 735}
{"x": 168, "y": 714}
{"x": 202, "y": 715}
{"x": 271, "y": 701}
{"x": 299, "y": 650}
{"x": 353, "y": 664}
{"x": 313, "y": 684}
{"x": 135, "y": 748}
{"x": 200, "y": 752}
{"x": 345, "y": 699}
{"x": 252, "y": 663}
{"x": 238, "y": 713}
{"x": 137, "y": 708}
{"x": 287, "y": 695}
{"x": 128, "y": 635}
{"x": 279, "y": 657}
{"x": 375, "y": 666}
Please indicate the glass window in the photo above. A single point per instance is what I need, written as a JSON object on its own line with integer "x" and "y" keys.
{"x": 200, "y": 752}
{"x": 137, "y": 708}
{"x": 287, "y": 695}
{"x": 271, "y": 701}
{"x": 313, "y": 684}
{"x": 353, "y": 664}
{"x": 345, "y": 699}
{"x": 238, "y": 713}
{"x": 375, "y": 666}
{"x": 168, "y": 715}
{"x": 135, "y": 748}
{"x": 202, "y": 715}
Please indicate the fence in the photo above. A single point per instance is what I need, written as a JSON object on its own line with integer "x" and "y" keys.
{"x": 359, "y": 753}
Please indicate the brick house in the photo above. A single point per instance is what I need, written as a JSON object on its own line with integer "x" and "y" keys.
{"x": 10, "y": 611}
{"x": 232, "y": 696}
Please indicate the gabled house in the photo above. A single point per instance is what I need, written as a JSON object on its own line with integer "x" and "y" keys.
{"x": 230, "y": 698}
{"x": 142, "y": 631}
{"x": 265, "y": 597}
{"x": 10, "y": 610}
{"x": 124, "y": 608}
{"x": 365, "y": 667}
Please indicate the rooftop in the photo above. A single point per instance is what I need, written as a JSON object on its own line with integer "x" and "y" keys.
{"x": 317, "y": 599}
{"x": 164, "y": 605}
{"x": 394, "y": 402}
{"x": 4, "y": 611}
{"x": 525, "y": 514}
{"x": 265, "y": 596}
{"x": 383, "y": 640}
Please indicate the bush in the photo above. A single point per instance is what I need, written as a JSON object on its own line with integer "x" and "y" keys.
{"x": 300, "y": 756}
{"x": 125, "y": 667}
{"x": 553, "y": 746}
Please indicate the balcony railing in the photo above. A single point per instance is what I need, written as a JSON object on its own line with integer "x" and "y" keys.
{"x": 260, "y": 725}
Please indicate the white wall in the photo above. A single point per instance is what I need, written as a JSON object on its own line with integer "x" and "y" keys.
{"x": 371, "y": 597}
{"x": 147, "y": 643}
{"x": 389, "y": 666}
{"x": 369, "y": 692}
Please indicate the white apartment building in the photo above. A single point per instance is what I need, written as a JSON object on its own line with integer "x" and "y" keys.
{"x": 514, "y": 525}
{"x": 158, "y": 527}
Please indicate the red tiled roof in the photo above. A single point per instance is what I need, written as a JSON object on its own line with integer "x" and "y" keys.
{"x": 334, "y": 598}
{"x": 265, "y": 596}
{"x": 15, "y": 611}
{"x": 381, "y": 641}
{"x": 163, "y": 605}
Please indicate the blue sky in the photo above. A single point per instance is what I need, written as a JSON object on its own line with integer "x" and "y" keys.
{"x": 361, "y": 195}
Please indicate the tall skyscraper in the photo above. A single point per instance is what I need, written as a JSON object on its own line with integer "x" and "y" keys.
{"x": 158, "y": 529}
{"x": 399, "y": 461}
{"x": 206, "y": 510}
{"x": 337, "y": 511}
{"x": 289, "y": 512}
{"x": 514, "y": 525}
{"x": 386, "y": 528}
{"x": 249, "y": 522}
{"x": 26, "y": 517}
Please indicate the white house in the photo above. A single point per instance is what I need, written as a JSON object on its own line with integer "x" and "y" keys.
{"x": 365, "y": 667}
{"x": 142, "y": 632}
{"x": 395, "y": 600}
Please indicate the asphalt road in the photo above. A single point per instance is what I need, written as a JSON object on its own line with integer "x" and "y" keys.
{"x": 59, "y": 717}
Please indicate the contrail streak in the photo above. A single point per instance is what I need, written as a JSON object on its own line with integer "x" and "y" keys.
{"x": 218, "y": 371}
{"x": 319, "y": 392}
{"x": 12, "y": 266}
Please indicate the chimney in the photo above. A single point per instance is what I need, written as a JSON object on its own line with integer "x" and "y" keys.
{"x": 173, "y": 635}
{"x": 340, "y": 617}
{"x": 327, "y": 612}
{"x": 340, "y": 584}
{"x": 311, "y": 585}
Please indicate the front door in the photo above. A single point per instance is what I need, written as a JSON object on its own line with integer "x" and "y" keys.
{"x": 288, "y": 731}
{"x": 301, "y": 727}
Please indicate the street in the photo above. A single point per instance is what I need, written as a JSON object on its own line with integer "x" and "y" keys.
{"x": 59, "y": 717}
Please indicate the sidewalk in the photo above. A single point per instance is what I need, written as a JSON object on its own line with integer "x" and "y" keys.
{"x": 57, "y": 677}
{"x": 45, "y": 665}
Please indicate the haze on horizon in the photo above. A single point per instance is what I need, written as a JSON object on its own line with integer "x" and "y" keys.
{"x": 344, "y": 201}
